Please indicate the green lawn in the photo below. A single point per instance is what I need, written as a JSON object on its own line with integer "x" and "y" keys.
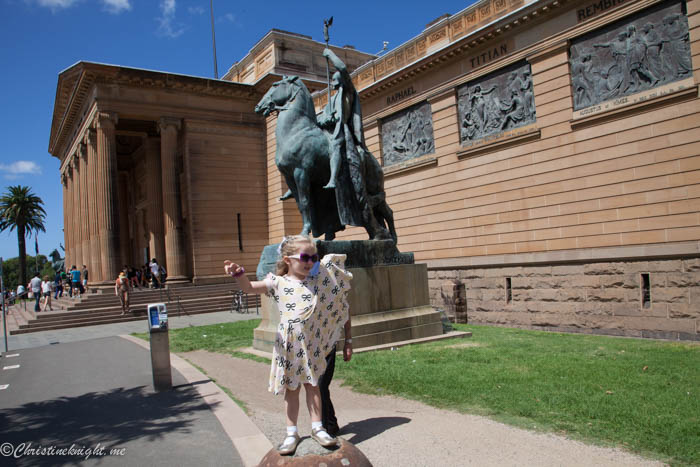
{"x": 639, "y": 394}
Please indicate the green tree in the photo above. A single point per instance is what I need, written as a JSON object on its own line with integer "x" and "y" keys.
{"x": 10, "y": 270}
{"x": 22, "y": 210}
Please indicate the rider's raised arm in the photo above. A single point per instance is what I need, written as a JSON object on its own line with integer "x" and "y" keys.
{"x": 338, "y": 63}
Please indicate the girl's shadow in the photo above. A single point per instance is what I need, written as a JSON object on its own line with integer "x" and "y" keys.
{"x": 366, "y": 429}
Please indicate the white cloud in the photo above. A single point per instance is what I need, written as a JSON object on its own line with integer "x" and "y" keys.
{"x": 167, "y": 26}
{"x": 19, "y": 168}
{"x": 116, "y": 6}
{"x": 56, "y": 4}
{"x": 111, "y": 6}
{"x": 196, "y": 10}
{"x": 230, "y": 17}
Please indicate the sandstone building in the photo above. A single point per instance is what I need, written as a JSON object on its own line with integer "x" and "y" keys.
{"x": 542, "y": 157}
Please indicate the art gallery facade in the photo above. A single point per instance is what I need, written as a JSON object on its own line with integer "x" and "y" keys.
{"x": 542, "y": 157}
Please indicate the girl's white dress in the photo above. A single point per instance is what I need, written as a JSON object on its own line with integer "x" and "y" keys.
{"x": 312, "y": 315}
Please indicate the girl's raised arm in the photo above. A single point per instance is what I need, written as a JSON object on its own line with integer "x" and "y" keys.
{"x": 238, "y": 273}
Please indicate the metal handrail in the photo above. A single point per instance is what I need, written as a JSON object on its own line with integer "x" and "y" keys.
{"x": 180, "y": 308}
{"x": 24, "y": 295}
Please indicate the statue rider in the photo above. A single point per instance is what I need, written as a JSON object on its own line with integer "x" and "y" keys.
{"x": 342, "y": 118}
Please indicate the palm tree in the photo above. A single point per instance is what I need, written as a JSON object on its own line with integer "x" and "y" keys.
{"x": 22, "y": 209}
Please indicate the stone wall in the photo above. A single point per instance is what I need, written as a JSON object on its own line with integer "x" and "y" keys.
{"x": 597, "y": 298}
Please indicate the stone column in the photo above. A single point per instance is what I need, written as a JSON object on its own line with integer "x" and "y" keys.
{"x": 95, "y": 264}
{"x": 66, "y": 220}
{"x": 68, "y": 227}
{"x": 172, "y": 219}
{"x": 77, "y": 218}
{"x": 108, "y": 222}
{"x": 156, "y": 241}
{"x": 124, "y": 219}
{"x": 84, "y": 213}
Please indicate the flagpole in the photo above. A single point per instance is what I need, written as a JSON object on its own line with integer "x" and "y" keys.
{"x": 213, "y": 38}
{"x": 36, "y": 252}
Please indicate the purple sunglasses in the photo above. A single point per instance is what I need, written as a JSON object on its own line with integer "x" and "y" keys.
{"x": 304, "y": 258}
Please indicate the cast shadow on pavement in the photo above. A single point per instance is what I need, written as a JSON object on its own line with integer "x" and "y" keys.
{"x": 110, "y": 419}
{"x": 366, "y": 429}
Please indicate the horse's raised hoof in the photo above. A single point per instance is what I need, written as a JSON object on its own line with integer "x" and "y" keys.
{"x": 287, "y": 195}
{"x": 330, "y": 186}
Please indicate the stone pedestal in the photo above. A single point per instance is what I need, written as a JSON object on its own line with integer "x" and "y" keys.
{"x": 388, "y": 303}
{"x": 309, "y": 453}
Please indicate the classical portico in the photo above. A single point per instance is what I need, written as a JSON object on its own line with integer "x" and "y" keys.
{"x": 132, "y": 147}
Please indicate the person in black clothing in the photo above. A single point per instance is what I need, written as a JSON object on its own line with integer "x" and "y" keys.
{"x": 330, "y": 422}
{"x": 59, "y": 286}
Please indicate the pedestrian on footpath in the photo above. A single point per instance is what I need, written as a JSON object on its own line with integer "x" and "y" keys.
{"x": 20, "y": 293}
{"x": 75, "y": 281}
{"x": 121, "y": 290}
{"x": 155, "y": 273}
{"x": 67, "y": 282}
{"x": 46, "y": 293}
{"x": 85, "y": 279}
{"x": 58, "y": 289}
{"x": 311, "y": 298}
{"x": 35, "y": 287}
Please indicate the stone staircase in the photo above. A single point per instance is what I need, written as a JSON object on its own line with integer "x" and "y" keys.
{"x": 95, "y": 309}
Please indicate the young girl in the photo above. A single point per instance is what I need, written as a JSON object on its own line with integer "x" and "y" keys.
{"x": 312, "y": 302}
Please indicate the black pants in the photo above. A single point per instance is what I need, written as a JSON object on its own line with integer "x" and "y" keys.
{"x": 330, "y": 423}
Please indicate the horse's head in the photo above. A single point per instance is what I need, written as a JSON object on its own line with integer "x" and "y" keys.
{"x": 279, "y": 95}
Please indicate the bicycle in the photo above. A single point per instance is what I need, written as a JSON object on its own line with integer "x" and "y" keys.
{"x": 237, "y": 301}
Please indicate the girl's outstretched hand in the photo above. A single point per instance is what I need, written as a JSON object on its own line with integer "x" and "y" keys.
{"x": 232, "y": 268}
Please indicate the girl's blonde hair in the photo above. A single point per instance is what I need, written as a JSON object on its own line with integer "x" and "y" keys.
{"x": 290, "y": 246}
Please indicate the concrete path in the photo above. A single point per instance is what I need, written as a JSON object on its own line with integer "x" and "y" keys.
{"x": 392, "y": 431}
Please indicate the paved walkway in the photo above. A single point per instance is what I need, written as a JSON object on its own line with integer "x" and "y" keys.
{"x": 92, "y": 403}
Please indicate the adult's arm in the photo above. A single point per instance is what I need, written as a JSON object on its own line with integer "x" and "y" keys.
{"x": 347, "y": 348}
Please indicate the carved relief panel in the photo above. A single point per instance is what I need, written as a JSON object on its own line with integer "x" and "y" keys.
{"x": 641, "y": 52}
{"x": 498, "y": 102}
{"x": 407, "y": 134}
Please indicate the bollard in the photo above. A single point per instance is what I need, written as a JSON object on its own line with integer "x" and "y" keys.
{"x": 160, "y": 346}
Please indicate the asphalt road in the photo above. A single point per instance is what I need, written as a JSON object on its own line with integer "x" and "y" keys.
{"x": 98, "y": 394}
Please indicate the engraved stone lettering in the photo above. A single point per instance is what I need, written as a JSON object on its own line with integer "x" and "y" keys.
{"x": 488, "y": 55}
{"x": 595, "y": 8}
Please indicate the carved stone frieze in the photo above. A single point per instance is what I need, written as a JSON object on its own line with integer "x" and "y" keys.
{"x": 498, "y": 102}
{"x": 407, "y": 134}
{"x": 641, "y": 52}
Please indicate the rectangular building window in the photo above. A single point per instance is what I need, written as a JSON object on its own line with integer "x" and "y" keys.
{"x": 646, "y": 290}
{"x": 509, "y": 291}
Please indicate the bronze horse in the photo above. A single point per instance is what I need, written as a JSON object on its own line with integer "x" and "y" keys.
{"x": 303, "y": 158}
